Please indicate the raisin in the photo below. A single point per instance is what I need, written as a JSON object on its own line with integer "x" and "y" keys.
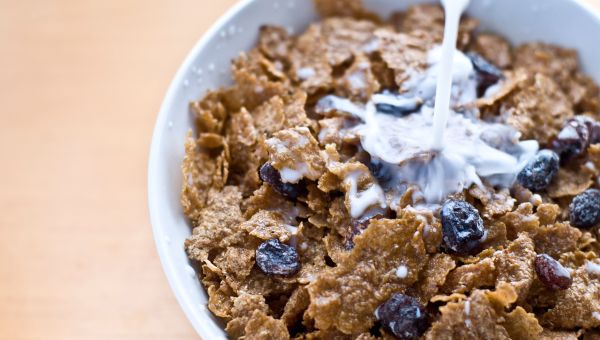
{"x": 540, "y": 171}
{"x": 462, "y": 227}
{"x": 397, "y": 106}
{"x": 552, "y": 274}
{"x": 487, "y": 73}
{"x": 271, "y": 176}
{"x": 383, "y": 173}
{"x": 576, "y": 136}
{"x": 403, "y": 315}
{"x": 276, "y": 258}
{"x": 585, "y": 209}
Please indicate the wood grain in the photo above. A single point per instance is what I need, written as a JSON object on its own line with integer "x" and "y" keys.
{"x": 81, "y": 84}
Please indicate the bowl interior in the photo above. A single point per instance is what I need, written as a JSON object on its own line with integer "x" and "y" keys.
{"x": 569, "y": 23}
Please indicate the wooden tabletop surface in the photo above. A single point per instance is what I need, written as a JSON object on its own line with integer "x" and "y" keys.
{"x": 81, "y": 84}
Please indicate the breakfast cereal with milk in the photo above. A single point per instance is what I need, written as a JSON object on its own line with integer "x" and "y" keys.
{"x": 267, "y": 172}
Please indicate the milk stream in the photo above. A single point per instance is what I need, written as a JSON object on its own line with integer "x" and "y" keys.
{"x": 438, "y": 145}
{"x": 453, "y": 10}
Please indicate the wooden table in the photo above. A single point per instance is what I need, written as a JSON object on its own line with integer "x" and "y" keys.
{"x": 81, "y": 84}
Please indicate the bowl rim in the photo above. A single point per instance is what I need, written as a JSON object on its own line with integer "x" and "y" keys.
{"x": 191, "y": 311}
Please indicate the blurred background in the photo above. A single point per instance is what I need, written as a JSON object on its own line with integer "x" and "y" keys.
{"x": 81, "y": 82}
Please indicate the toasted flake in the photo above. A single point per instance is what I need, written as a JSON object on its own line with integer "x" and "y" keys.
{"x": 295, "y": 153}
{"x": 346, "y": 296}
{"x": 575, "y": 307}
{"x": 216, "y": 226}
{"x": 264, "y": 327}
{"x": 493, "y": 48}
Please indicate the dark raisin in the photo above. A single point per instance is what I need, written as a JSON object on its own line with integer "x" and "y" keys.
{"x": 403, "y": 315}
{"x": 576, "y": 136}
{"x": 552, "y": 273}
{"x": 399, "y": 107}
{"x": 462, "y": 227}
{"x": 540, "y": 171}
{"x": 271, "y": 176}
{"x": 585, "y": 209}
{"x": 276, "y": 258}
{"x": 487, "y": 73}
{"x": 382, "y": 172}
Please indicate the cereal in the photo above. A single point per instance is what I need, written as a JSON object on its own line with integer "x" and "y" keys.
{"x": 267, "y": 225}
{"x": 575, "y": 307}
{"x": 515, "y": 265}
{"x": 493, "y": 48}
{"x": 309, "y": 64}
{"x": 246, "y": 151}
{"x": 366, "y": 277}
{"x": 299, "y": 232}
{"x": 522, "y": 325}
{"x": 402, "y": 53}
{"x": 553, "y": 61}
{"x": 551, "y": 335}
{"x": 217, "y": 224}
{"x": 429, "y": 19}
{"x": 296, "y": 154}
{"x": 343, "y": 8}
{"x": 344, "y": 38}
{"x": 569, "y": 183}
{"x": 274, "y": 42}
{"x": 495, "y": 203}
{"x": 236, "y": 262}
{"x": 434, "y": 275}
{"x": 210, "y": 113}
{"x": 470, "y": 276}
{"x": 220, "y": 300}
{"x": 557, "y": 239}
{"x": 358, "y": 82}
{"x": 528, "y": 108}
{"x": 264, "y": 327}
{"x": 295, "y": 306}
{"x": 243, "y": 308}
{"x": 476, "y": 318}
{"x": 521, "y": 220}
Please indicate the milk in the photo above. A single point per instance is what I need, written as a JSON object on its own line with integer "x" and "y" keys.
{"x": 453, "y": 10}
{"x": 435, "y": 149}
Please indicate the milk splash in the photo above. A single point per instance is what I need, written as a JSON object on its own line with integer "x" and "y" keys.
{"x": 439, "y": 150}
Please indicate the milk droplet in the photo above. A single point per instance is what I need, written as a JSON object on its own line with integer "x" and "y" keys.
{"x": 170, "y": 125}
{"x": 402, "y": 272}
{"x": 186, "y": 83}
{"x": 231, "y": 30}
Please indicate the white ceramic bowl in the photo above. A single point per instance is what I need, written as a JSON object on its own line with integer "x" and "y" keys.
{"x": 565, "y": 22}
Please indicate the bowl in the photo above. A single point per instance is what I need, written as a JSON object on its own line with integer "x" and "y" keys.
{"x": 569, "y": 23}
